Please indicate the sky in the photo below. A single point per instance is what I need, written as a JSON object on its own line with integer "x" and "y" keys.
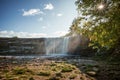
{"x": 36, "y": 18}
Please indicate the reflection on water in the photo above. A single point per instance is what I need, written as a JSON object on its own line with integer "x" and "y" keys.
{"x": 36, "y": 56}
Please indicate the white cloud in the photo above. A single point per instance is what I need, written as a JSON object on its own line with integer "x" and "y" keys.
{"x": 40, "y": 19}
{"x": 21, "y": 34}
{"x": 44, "y": 27}
{"x": 6, "y": 33}
{"x": 49, "y": 6}
{"x": 59, "y": 14}
{"x": 32, "y": 12}
{"x": 60, "y": 33}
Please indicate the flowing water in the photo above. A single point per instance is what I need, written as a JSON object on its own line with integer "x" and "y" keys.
{"x": 65, "y": 45}
{"x": 56, "y": 45}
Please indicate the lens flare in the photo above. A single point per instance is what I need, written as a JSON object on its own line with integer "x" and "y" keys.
{"x": 101, "y": 6}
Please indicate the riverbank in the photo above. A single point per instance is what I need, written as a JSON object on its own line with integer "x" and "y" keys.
{"x": 42, "y": 69}
{"x": 57, "y": 68}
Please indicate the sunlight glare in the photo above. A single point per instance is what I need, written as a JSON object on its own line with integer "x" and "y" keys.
{"x": 101, "y": 6}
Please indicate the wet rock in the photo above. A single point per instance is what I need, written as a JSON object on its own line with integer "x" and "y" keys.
{"x": 59, "y": 61}
{"x": 91, "y": 73}
{"x": 74, "y": 60}
{"x": 95, "y": 69}
{"x": 14, "y": 62}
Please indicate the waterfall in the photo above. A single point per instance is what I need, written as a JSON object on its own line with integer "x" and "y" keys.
{"x": 56, "y": 45}
{"x": 65, "y": 45}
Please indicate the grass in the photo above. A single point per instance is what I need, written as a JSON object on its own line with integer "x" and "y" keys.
{"x": 66, "y": 69}
{"x": 18, "y": 71}
{"x": 5, "y": 71}
{"x": 49, "y": 71}
{"x": 31, "y": 78}
{"x": 54, "y": 78}
{"x": 8, "y": 77}
{"x": 59, "y": 74}
{"x": 73, "y": 76}
{"x": 44, "y": 73}
{"x": 63, "y": 67}
{"x": 53, "y": 64}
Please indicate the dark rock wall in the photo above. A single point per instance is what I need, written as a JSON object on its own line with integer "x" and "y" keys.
{"x": 22, "y": 45}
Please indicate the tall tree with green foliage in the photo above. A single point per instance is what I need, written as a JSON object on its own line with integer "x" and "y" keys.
{"x": 100, "y": 21}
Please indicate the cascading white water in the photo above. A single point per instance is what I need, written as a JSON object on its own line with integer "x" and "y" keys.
{"x": 56, "y": 45}
{"x": 65, "y": 45}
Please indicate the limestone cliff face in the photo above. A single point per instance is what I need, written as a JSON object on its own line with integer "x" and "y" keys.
{"x": 73, "y": 45}
{"x": 22, "y": 45}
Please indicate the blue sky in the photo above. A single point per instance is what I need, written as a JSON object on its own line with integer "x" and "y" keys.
{"x": 36, "y": 18}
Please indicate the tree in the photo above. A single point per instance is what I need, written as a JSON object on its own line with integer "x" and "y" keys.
{"x": 100, "y": 21}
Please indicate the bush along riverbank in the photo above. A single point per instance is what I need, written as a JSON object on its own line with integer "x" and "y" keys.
{"x": 109, "y": 64}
